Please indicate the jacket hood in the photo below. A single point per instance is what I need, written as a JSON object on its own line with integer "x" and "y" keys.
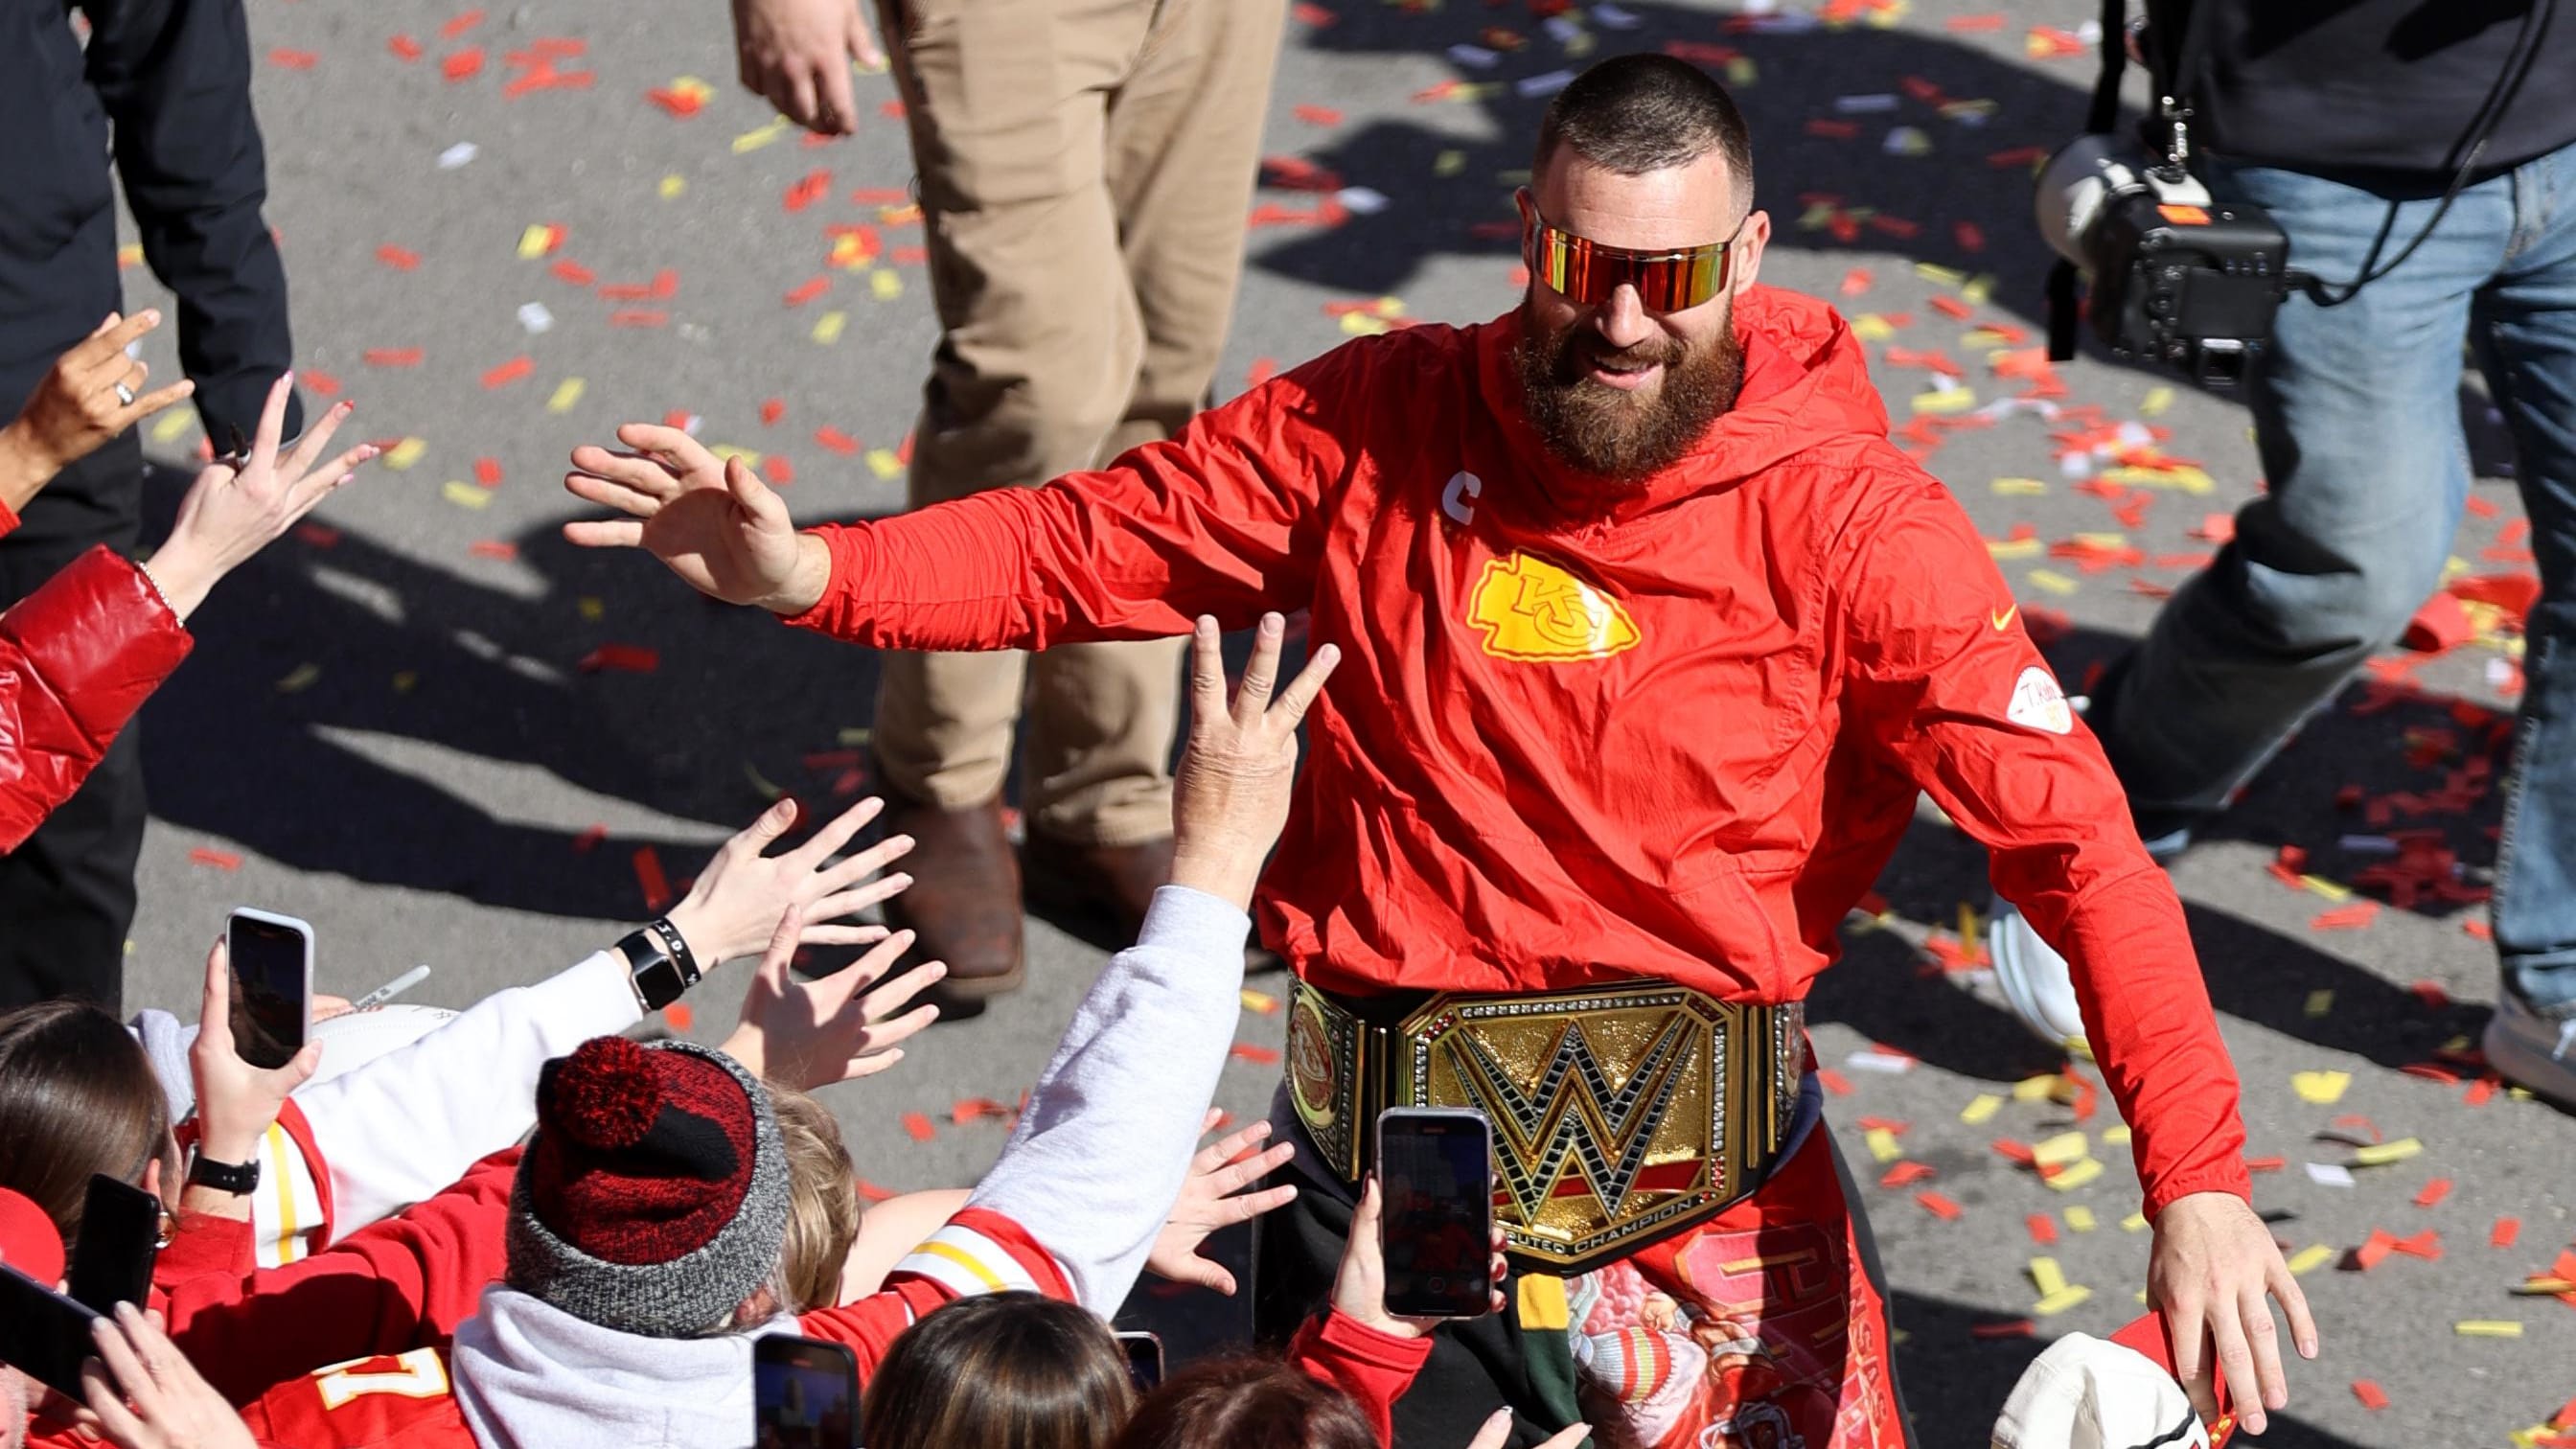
{"x": 530, "y": 1376}
{"x": 1806, "y": 382}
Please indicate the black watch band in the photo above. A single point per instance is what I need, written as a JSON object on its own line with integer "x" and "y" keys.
{"x": 676, "y": 946}
{"x": 233, "y": 1177}
{"x": 658, "y": 978}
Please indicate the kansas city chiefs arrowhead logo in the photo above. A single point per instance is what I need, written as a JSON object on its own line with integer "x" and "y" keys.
{"x": 2038, "y": 703}
{"x": 1534, "y": 611}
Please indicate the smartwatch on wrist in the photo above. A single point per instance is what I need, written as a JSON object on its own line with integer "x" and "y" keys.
{"x": 236, "y": 1178}
{"x": 659, "y": 964}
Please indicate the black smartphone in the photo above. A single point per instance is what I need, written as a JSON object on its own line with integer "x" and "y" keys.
{"x": 120, "y": 1235}
{"x": 1144, "y": 1359}
{"x": 805, "y": 1393}
{"x": 272, "y": 958}
{"x": 44, "y": 1334}
{"x": 1435, "y": 1176}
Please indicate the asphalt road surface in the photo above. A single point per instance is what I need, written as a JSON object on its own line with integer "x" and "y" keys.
{"x": 388, "y": 727}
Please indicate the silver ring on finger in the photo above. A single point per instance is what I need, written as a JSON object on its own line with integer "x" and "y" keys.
{"x": 124, "y": 395}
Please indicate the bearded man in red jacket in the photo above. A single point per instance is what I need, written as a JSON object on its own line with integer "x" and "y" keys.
{"x": 1649, "y": 640}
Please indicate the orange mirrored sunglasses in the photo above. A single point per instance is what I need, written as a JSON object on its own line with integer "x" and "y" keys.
{"x": 1588, "y": 272}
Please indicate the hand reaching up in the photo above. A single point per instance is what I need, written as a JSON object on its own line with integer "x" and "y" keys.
{"x": 234, "y": 510}
{"x": 1230, "y": 799}
{"x": 735, "y": 904}
{"x": 808, "y": 1034}
{"x": 1223, "y": 1188}
{"x": 712, "y": 522}
{"x": 93, "y": 393}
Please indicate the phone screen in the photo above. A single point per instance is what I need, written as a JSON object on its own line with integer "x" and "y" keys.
{"x": 272, "y": 987}
{"x": 43, "y": 1333}
{"x": 1144, "y": 1359}
{"x": 806, "y": 1394}
{"x": 1435, "y": 1181}
{"x": 120, "y": 1234}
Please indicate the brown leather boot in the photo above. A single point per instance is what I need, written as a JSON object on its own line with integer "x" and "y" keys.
{"x": 1111, "y": 884}
{"x": 964, "y": 903}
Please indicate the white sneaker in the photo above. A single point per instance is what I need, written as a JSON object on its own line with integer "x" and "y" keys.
{"x": 2532, "y": 1051}
{"x": 2036, "y": 981}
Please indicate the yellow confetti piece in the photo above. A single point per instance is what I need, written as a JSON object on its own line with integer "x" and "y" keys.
{"x": 1260, "y": 1001}
{"x": 885, "y": 284}
{"x": 2326, "y": 888}
{"x": 2187, "y": 479}
{"x": 2047, "y": 1276}
{"x": 2077, "y": 1175}
{"x": 2053, "y": 582}
{"x": 827, "y": 328}
{"x": 883, "y": 463}
{"x": 2156, "y": 401}
{"x": 2310, "y": 1258}
{"x": 1980, "y": 288}
{"x": 2320, "y": 1002}
{"x": 760, "y": 782}
{"x": 696, "y": 89}
{"x": 2035, "y": 1089}
{"x": 1871, "y": 327}
{"x": 754, "y": 140}
{"x": 2320, "y": 1089}
{"x": 2061, "y": 1149}
{"x": 2488, "y": 1328}
{"x": 856, "y": 736}
{"x": 2116, "y": 1136}
{"x": 591, "y": 607}
{"x": 671, "y": 186}
{"x": 300, "y": 680}
{"x": 2061, "y": 1300}
{"x": 1937, "y": 273}
{"x": 2010, "y": 549}
{"x": 2079, "y": 1219}
{"x": 406, "y": 453}
{"x": 130, "y": 255}
{"x": 1449, "y": 163}
{"x": 465, "y": 495}
{"x": 567, "y": 394}
{"x": 1883, "y": 1144}
{"x": 1981, "y": 1108}
{"x": 535, "y": 241}
{"x": 726, "y": 451}
{"x": 1741, "y": 72}
{"x": 2380, "y": 1154}
{"x": 406, "y": 680}
{"x": 904, "y": 215}
{"x": 2134, "y": 1223}
{"x": 170, "y": 425}
{"x": 2019, "y": 487}
{"x": 1361, "y": 324}
{"x": 1944, "y": 401}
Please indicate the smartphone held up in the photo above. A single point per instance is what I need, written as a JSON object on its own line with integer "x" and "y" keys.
{"x": 1435, "y": 1176}
{"x": 805, "y": 1394}
{"x": 272, "y": 971}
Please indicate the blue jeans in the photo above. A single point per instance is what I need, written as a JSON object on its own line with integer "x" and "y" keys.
{"x": 2357, "y": 418}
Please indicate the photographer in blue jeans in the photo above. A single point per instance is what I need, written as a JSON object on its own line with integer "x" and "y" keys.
{"x": 2427, "y": 153}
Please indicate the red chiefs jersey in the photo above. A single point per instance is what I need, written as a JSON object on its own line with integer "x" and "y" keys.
{"x": 1584, "y": 730}
{"x": 408, "y": 1400}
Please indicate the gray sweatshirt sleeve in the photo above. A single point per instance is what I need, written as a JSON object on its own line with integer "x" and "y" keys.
{"x": 1100, "y": 1154}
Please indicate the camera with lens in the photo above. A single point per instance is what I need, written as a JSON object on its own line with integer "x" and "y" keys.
{"x": 2176, "y": 278}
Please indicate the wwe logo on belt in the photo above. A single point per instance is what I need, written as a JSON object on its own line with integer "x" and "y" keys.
{"x": 1540, "y": 1129}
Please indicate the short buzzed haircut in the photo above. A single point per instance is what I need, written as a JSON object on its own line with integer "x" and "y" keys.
{"x": 1638, "y": 113}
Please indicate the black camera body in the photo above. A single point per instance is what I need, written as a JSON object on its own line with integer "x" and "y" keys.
{"x": 2177, "y": 280}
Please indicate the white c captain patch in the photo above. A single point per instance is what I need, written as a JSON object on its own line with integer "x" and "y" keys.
{"x": 1463, "y": 485}
{"x": 2038, "y": 703}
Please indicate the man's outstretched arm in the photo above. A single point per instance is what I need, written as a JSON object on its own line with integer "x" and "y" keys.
{"x": 1223, "y": 520}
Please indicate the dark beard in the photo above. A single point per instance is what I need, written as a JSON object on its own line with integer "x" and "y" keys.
{"x": 1610, "y": 434}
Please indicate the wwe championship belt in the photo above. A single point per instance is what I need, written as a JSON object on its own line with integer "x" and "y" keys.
{"x": 1621, "y": 1114}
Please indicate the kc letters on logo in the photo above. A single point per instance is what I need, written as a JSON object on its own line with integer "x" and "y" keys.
{"x": 1531, "y": 610}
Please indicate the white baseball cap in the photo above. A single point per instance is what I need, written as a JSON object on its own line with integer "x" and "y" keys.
{"x": 2085, "y": 1393}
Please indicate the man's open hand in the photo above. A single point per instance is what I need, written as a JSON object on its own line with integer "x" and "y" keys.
{"x": 797, "y": 54}
{"x": 1230, "y": 799}
{"x": 713, "y": 523}
{"x": 2214, "y": 1263}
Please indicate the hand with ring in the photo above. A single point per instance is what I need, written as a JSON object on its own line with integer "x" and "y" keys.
{"x": 94, "y": 392}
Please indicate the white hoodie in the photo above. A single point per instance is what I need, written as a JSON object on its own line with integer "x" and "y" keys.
{"x": 530, "y": 1376}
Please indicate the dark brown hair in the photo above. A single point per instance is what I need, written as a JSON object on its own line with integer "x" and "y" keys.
{"x": 1638, "y": 113}
{"x": 77, "y": 1096}
{"x": 1247, "y": 1402}
{"x": 1003, "y": 1371}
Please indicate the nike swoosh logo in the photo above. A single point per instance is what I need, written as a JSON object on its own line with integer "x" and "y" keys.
{"x": 2004, "y": 620}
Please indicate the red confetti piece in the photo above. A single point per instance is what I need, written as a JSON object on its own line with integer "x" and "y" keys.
{"x": 1306, "y": 12}
{"x": 908, "y": 256}
{"x": 808, "y": 189}
{"x": 620, "y": 658}
{"x": 771, "y": 411}
{"x": 1970, "y": 236}
{"x": 2345, "y": 918}
{"x": 2043, "y": 1228}
{"x": 285, "y": 59}
{"x": 510, "y": 371}
{"x": 404, "y": 48}
{"x": 2432, "y": 993}
{"x": 464, "y": 22}
{"x": 1833, "y": 130}
{"x": 214, "y": 859}
{"x": 463, "y": 65}
{"x": 639, "y": 317}
{"x": 2434, "y": 1191}
{"x": 975, "y": 1109}
{"x": 2016, "y": 1151}
{"x": 391, "y": 357}
{"x": 679, "y": 1016}
{"x": 1970, "y": 24}
{"x": 401, "y": 259}
{"x": 874, "y": 1193}
{"x": 2426, "y": 1245}
{"x": 487, "y": 471}
{"x": 809, "y": 289}
{"x": 918, "y": 1127}
{"x": 322, "y": 383}
{"x": 1260, "y": 1056}
{"x": 1906, "y": 1174}
{"x": 648, "y": 876}
{"x": 589, "y": 839}
{"x": 2266, "y": 1164}
{"x": 681, "y": 104}
{"x": 839, "y": 442}
{"x": 1318, "y": 115}
{"x": 1939, "y": 1205}
{"x": 2505, "y": 1233}
{"x": 1834, "y": 1081}
{"x": 318, "y": 535}
{"x": 778, "y": 470}
{"x": 496, "y": 548}
{"x": 2015, "y": 1328}
{"x": 574, "y": 272}
{"x": 1889, "y": 1125}
{"x": 2371, "y": 1395}
{"x": 1954, "y": 308}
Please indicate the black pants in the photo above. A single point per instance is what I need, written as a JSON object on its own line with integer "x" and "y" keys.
{"x": 67, "y": 895}
{"x": 1476, "y": 1364}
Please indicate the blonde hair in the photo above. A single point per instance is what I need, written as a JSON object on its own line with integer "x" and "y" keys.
{"x": 822, "y": 1201}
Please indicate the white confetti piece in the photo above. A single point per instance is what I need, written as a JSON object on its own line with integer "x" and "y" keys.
{"x": 2329, "y": 1174}
{"x": 1529, "y": 87}
{"x": 457, "y": 155}
{"x": 1363, "y": 200}
{"x": 1865, "y": 104}
{"x": 1474, "y": 57}
{"x": 536, "y": 318}
{"x": 1611, "y": 17}
{"x": 1885, "y": 1063}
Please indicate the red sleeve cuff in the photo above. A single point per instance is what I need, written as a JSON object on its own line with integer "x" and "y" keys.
{"x": 2231, "y": 1179}
{"x": 1350, "y": 1339}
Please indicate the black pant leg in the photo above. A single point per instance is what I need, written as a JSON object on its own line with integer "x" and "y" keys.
{"x": 67, "y": 894}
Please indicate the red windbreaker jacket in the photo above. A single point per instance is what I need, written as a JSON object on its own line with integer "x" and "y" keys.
{"x": 77, "y": 658}
{"x": 1582, "y": 731}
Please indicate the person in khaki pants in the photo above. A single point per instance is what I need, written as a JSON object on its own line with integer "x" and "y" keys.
{"x": 1085, "y": 167}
